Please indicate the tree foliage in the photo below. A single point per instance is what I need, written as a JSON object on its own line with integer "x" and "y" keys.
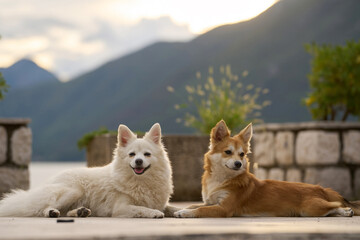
{"x": 335, "y": 81}
{"x": 221, "y": 96}
{"x": 3, "y": 87}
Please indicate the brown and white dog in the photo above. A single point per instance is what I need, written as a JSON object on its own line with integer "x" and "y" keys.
{"x": 229, "y": 190}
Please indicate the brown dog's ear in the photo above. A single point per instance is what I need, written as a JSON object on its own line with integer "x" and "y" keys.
{"x": 246, "y": 133}
{"x": 125, "y": 135}
{"x": 219, "y": 132}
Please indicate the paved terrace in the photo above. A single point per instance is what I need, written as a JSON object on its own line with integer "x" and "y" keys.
{"x": 171, "y": 228}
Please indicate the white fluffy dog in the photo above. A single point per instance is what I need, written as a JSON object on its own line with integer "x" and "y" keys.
{"x": 137, "y": 183}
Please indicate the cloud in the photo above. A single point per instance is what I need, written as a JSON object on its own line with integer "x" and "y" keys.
{"x": 14, "y": 48}
{"x": 123, "y": 39}
{"x": 201, "y": 15}
{"x": 75, "y": 36}
{"x": 69, "y": 37}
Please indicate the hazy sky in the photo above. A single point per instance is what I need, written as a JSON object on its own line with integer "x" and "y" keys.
{"x": 69, "y": 37}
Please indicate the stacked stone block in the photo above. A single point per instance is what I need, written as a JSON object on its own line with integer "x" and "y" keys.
{"x": 186, "y": 154}
{"x": 325, "y": 153}
{"x": 15, "y": 154}
{"x": 100, "y": 150}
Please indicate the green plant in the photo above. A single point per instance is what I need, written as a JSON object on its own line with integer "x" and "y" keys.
{"x": 84, "y": 141}
{"x": 221, "y": 97}
{"x": 334, "y": 80}
{"x": 88, "y": 137}
{"x": 3, "y": 87}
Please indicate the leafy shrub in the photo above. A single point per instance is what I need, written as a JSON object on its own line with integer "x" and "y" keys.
{"x": 3, "y": 87}
{"x": 84, "y": 141}
{"x": 221, "y": 97}
{"x": 88, "y": 137}
{"x": 334, "y": 80}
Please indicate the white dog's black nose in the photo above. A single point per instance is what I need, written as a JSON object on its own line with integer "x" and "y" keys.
{"x": 237, "y": 164}
{"x": 138, "y": 162}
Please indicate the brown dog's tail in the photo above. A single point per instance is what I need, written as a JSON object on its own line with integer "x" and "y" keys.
{"x": 354, "y": 205}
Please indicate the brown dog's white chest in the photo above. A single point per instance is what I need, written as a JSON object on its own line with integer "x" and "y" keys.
{"x": 213, "y": 194}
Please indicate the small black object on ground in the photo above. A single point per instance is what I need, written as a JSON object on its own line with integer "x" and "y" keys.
{"x": 65, "y": 220}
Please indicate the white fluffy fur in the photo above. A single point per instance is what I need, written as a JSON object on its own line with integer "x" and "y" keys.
{"x": 110, "y": 191}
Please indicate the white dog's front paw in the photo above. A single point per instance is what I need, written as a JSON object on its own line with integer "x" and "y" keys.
{"x": 170, "y": 210}
{"x": 155, "y": 214}
{"x": 185, "y": 213}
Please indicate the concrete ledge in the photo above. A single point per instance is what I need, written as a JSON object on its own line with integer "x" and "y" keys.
{"x": 254, "y": 228}
{"x": 15, "y": 121}
{"x": 320, "y": 125}
{"x": 171, "y": 228}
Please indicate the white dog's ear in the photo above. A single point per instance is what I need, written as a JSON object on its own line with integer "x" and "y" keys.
{"x": 219, "y": 132}
{"x": 125, "y": 135}
{"x": 246, "y": 133}
{"x": 154, "y": 134}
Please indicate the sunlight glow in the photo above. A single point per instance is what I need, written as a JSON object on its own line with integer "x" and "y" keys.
{"x": 60, "y": 39}
{"x": 200, "y": 15}
{"x": 44, "y": 60}
{"x": 14, "y": 49}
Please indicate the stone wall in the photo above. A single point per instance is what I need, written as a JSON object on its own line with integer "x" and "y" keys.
{"x": 15, "y": 154}
{"x": 325, "y": 153}
{"x": 315, "y": 152}
{"x": 186, "y": 155}
{"x": 99, "y": 152}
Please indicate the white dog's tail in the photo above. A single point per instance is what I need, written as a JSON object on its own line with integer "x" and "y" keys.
{"x": 20, "y": 203}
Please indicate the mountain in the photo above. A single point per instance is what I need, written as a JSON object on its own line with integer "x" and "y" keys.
{"x": 26, "y": 73}
{"x": 132, "y": 89}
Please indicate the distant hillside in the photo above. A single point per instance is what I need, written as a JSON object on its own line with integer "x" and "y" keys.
{"x": 132, "y": 89}
{"x": 25, "y": 73}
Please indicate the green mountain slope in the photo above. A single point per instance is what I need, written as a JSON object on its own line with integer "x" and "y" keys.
{"x": 132, "y": 89}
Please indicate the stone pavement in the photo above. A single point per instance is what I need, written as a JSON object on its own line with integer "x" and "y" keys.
{"x": 253, "y": 228}
{"x": 170, "y": 228}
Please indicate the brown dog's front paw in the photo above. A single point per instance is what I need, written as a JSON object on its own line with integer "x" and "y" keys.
{"x": 185, "y": 213}
{"x": 348, "y": 212}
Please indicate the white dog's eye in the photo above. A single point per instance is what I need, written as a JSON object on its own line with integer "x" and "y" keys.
{"x": 242, "y": 154}
{"x": 132, "y": 154}
{"x": 147, "y": 154}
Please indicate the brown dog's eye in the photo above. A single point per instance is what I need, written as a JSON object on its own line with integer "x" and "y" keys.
{"x": 131, "y": 154}
{"x": 147, "y": 154}
{"x": 228, "y": 152}
{"x": 242, "y": 154}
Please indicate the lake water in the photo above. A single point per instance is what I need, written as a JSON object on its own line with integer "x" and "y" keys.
{"x": 40, "y": 172}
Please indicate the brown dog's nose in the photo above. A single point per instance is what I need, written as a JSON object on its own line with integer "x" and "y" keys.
{"x": 138, "y": 162}
{"x": 237, "y": 164}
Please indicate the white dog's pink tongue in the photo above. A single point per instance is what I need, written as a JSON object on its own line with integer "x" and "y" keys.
{"x": 139, "y": 170}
